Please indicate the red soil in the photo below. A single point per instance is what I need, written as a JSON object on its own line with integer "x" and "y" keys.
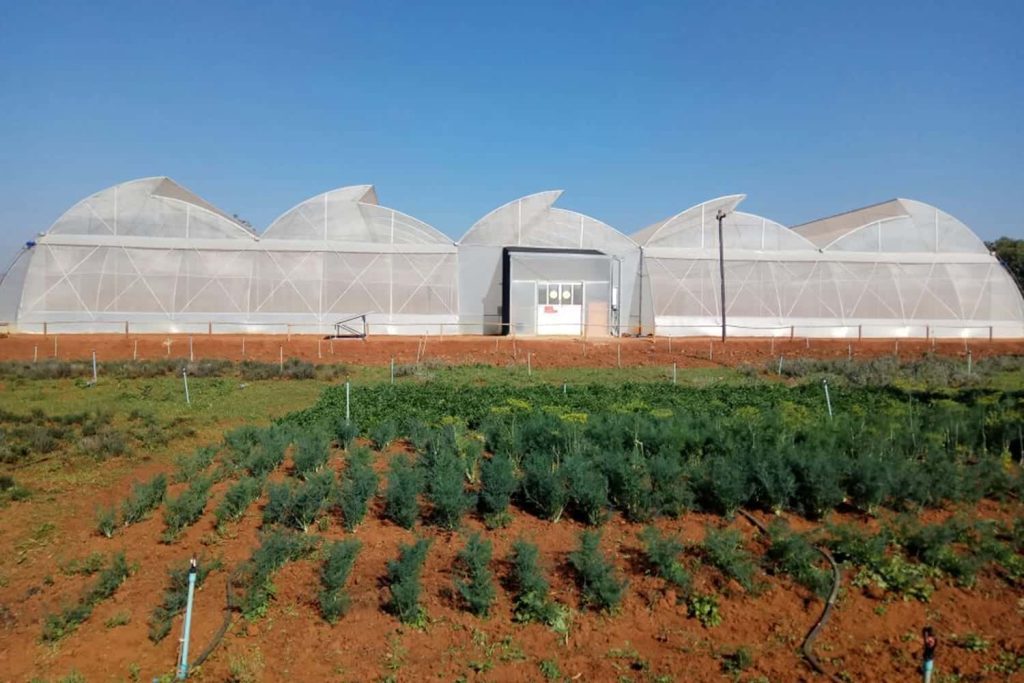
{"x": 544, "y": 353}
{"x": 651, "y": 635}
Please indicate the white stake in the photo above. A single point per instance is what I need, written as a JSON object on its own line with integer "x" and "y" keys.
{"x": 280, "y": 357}
{"x": 529, "y": 364}
{"x": 94, "y": 377}
{"x": 348, "y": 396}
{"x": 674, "y": 374}
{"x": 618, "y": 354}
{"x": 828, "y": 400}
{"x": 319, "y": 353}
{"x": 392, "y": 369}
{"x": 191, "y": 356}
{"x": 243, "y": 347}
{"x": 780, "y": 363}
{"x": 35, "y": 354}
{"x": 135, "y": 350}
{"x": 55, "y": 346}
{"x": 184, "y": 378}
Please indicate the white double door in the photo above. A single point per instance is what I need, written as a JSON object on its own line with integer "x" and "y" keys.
{"x": 560, "y": 308}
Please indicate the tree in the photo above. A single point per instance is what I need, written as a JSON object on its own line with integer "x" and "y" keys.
{"x": 1011, "y": 253}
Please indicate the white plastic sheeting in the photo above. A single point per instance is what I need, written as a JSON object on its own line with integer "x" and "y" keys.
{"x": 151, "y": 254}
{"x": 897, "y": 269}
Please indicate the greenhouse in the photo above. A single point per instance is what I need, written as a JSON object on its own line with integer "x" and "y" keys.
{"x": 149, "y": 255}
{"x": 896, "y": 269}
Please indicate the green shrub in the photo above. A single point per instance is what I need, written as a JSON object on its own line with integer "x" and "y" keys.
{"x": 663, "y": 556}
{"x": 543, "y": 487}
{"x": 237, "y": 499}
{"x": 403, "y": 579}
{"x": 175, "y": 596}
{"x": 932, "y": 544}
{"x": 599, "y": 584}
{"x": 498, "y": 483}
{"x": 340, "y": 557}
{"x": 819, "y": 483}
{"x": 87, "y": 566}
{"x": 723, "y": 549}
{"x": 56, "y": 626}
{"x": 476, "y": 583}
{"x": 268, "y": 452}
{"x": 345, "y": 432}
{"x": 722, "y": 486}
{"x": 401, "y": 498}
{"x": 588, "y": 490}
{"x": 383, "y": 434}
{"x": 106, "y": 521}
{"x": 143, "y": 499}
{"x": 186, "y": 509}
{"x": 791, "y": 553}
{"x": 358, "y": 487}
{"x": 629, "y": 484}
{"x": 187, "y": 467}
{"x": 446, "y": 490}
{"x": 276, "y": 548}
{"x": 299, "y": 505}
{"x": 531, "y": 602}
{"x": 312, "y": 450}
{"x": 671, "y": 492}
{"x": 704, "y": 608}
{"x": 737, "y": 661}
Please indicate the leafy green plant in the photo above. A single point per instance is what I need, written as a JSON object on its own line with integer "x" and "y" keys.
{"x": 186, "y": 509}
{"x": 446, "y": 490}
{"x": 175, "y": 596}
{"x": 403, "y": 579}
{"x": 345, "y": 432}
{"x": 340, "y": 557}
{"x": 87, "y": 566}
{"x": 723, "y": 549}
{"x": 588, "y": 490}
{"x": 237, "y": 499}
{"x": 792, "y": 554}
{"x": 599, "y": 583}
{"x": 299, "y": 505}
{"x": 704, "y": 608}
{"x": 531, "y": 599}
{"x": 268, "y": 451}
{"x": 312, "y": 450}
{"x": 358, "y": 486}
{"x": 256, "y": 577}
{"x": 543, "y": 486}
{"x": 383, "y": 434}
{"x": 187, "y": 467}
{"x": 106, "y": 521}
{"x": 56, "y": 626}
{"x": 401, "y": 498}
{"x": 476, "y": 583}
{"x": 663, "y": 556}
{"x": 143, "y": 499}
{"x": 737, "y": 661}
{"x": 498, "y": 483}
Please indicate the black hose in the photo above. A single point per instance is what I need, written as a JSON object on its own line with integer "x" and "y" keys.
{"x": 229, "y": 610}
{"x": 807, "y": 648}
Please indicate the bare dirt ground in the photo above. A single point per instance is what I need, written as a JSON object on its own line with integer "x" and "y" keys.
{"x": 543, "y": 353}
{"x": 868, "y": 639}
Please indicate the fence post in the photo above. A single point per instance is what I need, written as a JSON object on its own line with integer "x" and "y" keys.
{"x": 990, "y": 334}
{"x": 319, "y": 353}
{"x": 54, "y": 346}
{"x": 126, "y": 328}
{"x": 209, "y": 328}
{"x": 243, "y": 346}
{"x": 191, "y": 356}
{"x": 135, "y": 350}
{"x": 44, "y": 329}
{"x": 860, "y": 332}
{"x": 792, "y": 332}
{"x": 94, "y": 377}
{"x": 618, "y": 354}
{"x": 280, "y": 357}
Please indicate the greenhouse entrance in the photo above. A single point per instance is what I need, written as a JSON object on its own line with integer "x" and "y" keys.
{"x": 559, "y": 292}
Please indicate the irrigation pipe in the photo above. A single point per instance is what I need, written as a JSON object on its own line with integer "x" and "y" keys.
{"x": 807, "y": 648}
{"x": 222, "y": 631}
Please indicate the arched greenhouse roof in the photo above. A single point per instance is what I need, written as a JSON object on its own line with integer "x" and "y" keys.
{"x": 898, "y": 225}
{"x": 352, "y": 214}
{"x": 697, "y": 228}
{"x": 534, "y": 221}
{"x": 148, "y": 207}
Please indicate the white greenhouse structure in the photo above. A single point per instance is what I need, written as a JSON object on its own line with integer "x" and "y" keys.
{"x": 149, "y": 255}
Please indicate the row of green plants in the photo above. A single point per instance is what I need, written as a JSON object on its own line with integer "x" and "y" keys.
{"x": 932, "y": 371}
{"x": 175, "y": 596}
{"x": 57, "y": 626}
{"x": 291, "y": 368}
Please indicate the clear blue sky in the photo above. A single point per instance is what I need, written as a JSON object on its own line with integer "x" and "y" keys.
{"x": 636, "y": 109}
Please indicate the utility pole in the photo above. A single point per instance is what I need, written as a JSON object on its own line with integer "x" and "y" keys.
{"x": 721, "y": 266}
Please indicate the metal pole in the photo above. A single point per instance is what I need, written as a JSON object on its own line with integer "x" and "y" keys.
{"x": 828, "y": 400}
{"x": 565, "y": 390}
{"x": 970, "y": 359}
{"x": 348, "y": 396}
{"x": 184, "y": 378}
{"x": 674, "y": 374}
{"x": 35, "y": 354}
{"x": 529, "y": 363}
{"x": 183, "y": 661}
{"x": 191, "y": 356}
{"x": 392, "y": 369}
{"x": 94, "y": 378}
{"x": 780, "y": 363}
{"x": 135, "y": 350}
{"x": 721, "y": 266}
{"x": 280, "y": 357}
